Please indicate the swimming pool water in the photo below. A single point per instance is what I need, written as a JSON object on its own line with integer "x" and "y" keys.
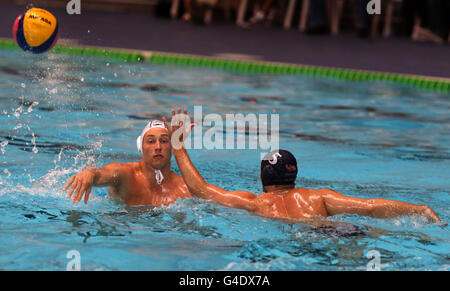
{"x": 60, "y": 114}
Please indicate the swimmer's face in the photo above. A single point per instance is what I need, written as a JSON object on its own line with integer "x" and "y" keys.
{"x": 156, "y": 148}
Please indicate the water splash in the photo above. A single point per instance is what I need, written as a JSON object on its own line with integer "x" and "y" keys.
{"x": 18, "y": 111}
{"x": 4, "y": 182}
{"x": 50, "y": 185}
{"x": 86, "y": 158}
{"x": 30, "y": 108}
{"x": 7, "y": 172}
{"x": 18, "y": 126}
{"x": 3, "y": 145}
{"x": 82, "y": 160}
{"x": 33, "y": 142}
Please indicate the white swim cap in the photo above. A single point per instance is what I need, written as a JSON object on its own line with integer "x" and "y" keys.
{"x": 150, "y": 125}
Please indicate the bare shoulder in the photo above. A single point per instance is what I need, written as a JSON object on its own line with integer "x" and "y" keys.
{"x": 122, "y": 168}
{"x": 327, "y": 192}
{"x": 264, "y": 199}
{"x": 174, "y": 175}
{"x": 118, "y": 165}
{"x": 264, "y": 196}
{"x": 309, "y": 193}
{"x": 177, "y": 178}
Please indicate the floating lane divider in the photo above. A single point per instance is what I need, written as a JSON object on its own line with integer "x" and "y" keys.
{"x": 247, "y": 67}
{"x": 118, "y": 54}
{"x": 253, "y": 67}
{"x": 100, "y": 52}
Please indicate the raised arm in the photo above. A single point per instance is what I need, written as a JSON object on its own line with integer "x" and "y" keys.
{"x": 197, "y": 185}
{"x": 337, "y": 203}
{"x": 109, "y": 175}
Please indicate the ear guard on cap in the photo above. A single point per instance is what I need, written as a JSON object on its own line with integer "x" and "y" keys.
{"x": 139, "y": 144}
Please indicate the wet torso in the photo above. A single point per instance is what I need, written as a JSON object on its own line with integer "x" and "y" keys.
{"x": 299, "y": 203}
{"x": 136, "y": 189}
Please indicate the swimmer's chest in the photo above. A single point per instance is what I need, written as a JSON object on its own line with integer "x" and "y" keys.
{"x": 138, "y": 191}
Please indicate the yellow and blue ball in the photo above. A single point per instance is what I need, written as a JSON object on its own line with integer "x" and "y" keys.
{"x": 36, "y": 30}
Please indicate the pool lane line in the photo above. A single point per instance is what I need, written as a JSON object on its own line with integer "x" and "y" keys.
{"x": 273, "y": 68}
{"x": 246, "y": 67}
{"x": 131, "y": 56}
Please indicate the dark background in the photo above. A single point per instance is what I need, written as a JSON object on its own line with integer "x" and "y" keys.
{"x": 145, "y": 25}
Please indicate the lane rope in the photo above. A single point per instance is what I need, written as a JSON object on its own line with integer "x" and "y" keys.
{"x": 247, "y": 67}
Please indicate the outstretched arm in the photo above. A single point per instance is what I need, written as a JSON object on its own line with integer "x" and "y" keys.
{"x": 197, "y": 185}
{"x": 109, "y": 175}
{"x": 337, "y": 203}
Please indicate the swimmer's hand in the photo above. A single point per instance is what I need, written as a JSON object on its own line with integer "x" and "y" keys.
{"x": 430, "y": 214}
{"x": 81, "y": 184}
{"x": 177, "y": 131}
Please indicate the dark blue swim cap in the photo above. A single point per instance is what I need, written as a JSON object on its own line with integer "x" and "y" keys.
{"x": 278, "y": 167}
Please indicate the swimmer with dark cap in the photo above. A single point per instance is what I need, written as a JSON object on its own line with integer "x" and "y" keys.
{"x": 147, "y": 182}
{"x": 281, "y": 199}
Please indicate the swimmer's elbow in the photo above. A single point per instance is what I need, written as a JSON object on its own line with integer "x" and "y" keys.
{"x": 370, "y": 208}
{"x": 109, "y": 175}
{"x": 195, "y": 192}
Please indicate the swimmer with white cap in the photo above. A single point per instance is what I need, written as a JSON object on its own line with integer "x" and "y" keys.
{"x": 281, "y": 199}
{"x": 147, "y": 182}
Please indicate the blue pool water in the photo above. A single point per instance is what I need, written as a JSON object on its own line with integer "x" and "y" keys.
{"x": 60, "y": 114}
